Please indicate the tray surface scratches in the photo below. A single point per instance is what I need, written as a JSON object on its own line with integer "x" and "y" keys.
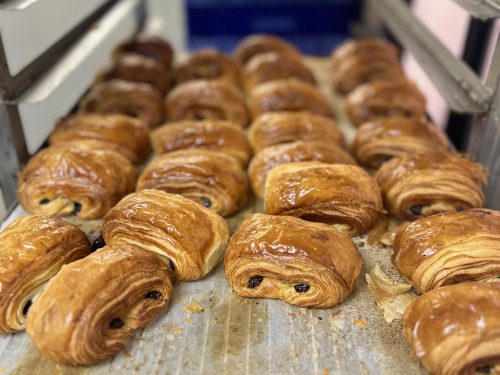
{"x": 208, "y": 329}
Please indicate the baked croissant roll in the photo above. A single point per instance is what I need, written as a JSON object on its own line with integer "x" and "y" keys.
{"x": 298, "y": 151}
{"x": 190, "y": 238}
{"x": 126, "y": 135}
{"x": 32, "y": 250}
{"x": 364, "y": 60}
{"x": 208, "y": 64}
{"x": 273, "y": 66}
{"x": 449, "y": 248}
{"x": 424, "y": 184}
{"x": 64, "y": 180}
{"x": 379, "y": 49}
{"x": 215, "y": 135}
{"x": 382, "y": 99}
{"x": 128, "y": 98}
{"x": 287, "y": 95}
{"x": 83, "y": 323}
{"x": 261, "y": 43}
{"x": 304, "y": 264}
{"x": 206, "y": 100}
{"x": 210, "y": 178}
{"x": 380, "y": 140}
{"x": 147, "y": 45}
{"x": 344, "y": 196}
{"x": 456, "y": 329}
{"x": 274, "y": 128}
{"x": 138, "y": 68}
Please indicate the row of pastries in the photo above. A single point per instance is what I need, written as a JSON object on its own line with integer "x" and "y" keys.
{"x": 315, "y": 194}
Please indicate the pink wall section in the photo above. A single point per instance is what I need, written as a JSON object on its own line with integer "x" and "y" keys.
{"x": 450, "y": 23}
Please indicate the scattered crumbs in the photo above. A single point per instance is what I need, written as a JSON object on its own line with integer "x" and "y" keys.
{"x": 171, "y": 347}
{"x": 214, "y": 321}
{"x": 193, "y": 307}
{"x": 320, "y": 318}
{"x": 359, "y": 322}
{"x": 128, "y": 353}
{"x": 188, "y": 320}
{"x": 256, "y": 303}
{"x": 178, "y": 330}
{"x": 393, "y": 298}
{"x": 210, "y": 299}
{"x": 378, "y": 230}
{"x": 362, "y": 243}
{"x": 259, "y": 320}
{"x": 326, "y": 371}
{"x": 170, "y": 337}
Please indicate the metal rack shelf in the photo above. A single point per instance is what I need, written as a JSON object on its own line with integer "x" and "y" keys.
{"x": 482, "y": 9}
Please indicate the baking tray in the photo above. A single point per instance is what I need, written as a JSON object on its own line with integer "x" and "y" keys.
{"x": 235, "y": 335}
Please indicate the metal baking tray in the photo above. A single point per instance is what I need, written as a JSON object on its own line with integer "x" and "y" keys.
{"x": 235, "y": 335}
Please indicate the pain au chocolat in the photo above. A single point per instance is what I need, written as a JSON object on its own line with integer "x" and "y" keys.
{"x": 134, "y": 99}
{"x": 381, "y": 99}
{"x": 126, "y": 135}
{"x": 364, "y": 60}
{"x": 137, "y": 68}
{"x": 206, "y": 100}
{"x": 256, "y": 44}
{"x": 65, "y": 180}
{"x": 274, "y": 128}
{"x": 146, "y": 45}
{"x": 210, "y": 178}
{"x": 449, "y": 248}
{"x": 299, "y": 151}
{"x": 305, "y": 264}
{"x": 32, "y": 250}
{"x": 190, "y": 238}
{"x": 273, "y": 66}
{"x": 344, "y": 196}
{"x": 424, "y": 184}
{"x": 89, "y": 311}
{"x": 455, "y": 329}
{"x": 382, "y": 139}
{"x": 208, "y": 64}
{"x": 215, "y": 135}
{"x": 289, "y": 95}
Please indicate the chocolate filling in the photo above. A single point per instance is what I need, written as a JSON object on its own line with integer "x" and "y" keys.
{"x": 97, "y": 244}
{"x": 206, "y": 202}
{"x": 27, "y": 307}
{"x": 416, "y": 209}
{"x": 301, "y": 288}
{"x": 44, "y": 201}
{"x": 78, "y": 207}
{"x": 484, "y": 369}
{"x": 171, "y": 265}
{"x": 116, "y": 323}
{"x": 254, "y": 282}
{"x": 154, "y": 294}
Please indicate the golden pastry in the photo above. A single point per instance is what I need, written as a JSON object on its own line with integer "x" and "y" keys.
{"x": 298, "y": 151}
{"x": 364, "y": 60}
{"x": 287, "y": 95}
{"x": 378, "y": 48}
{"x": 305, "y": 264}
{"x": 215, "y": 135}
{"x": 64, "y": 180}
{"x": 261, "y": 43}
{"x": 128, "y": 98}
{"x": 274, "y": 128}
{"x": 206, "y": 100}
{"x": 90, "y": 309}
{"x": 190, "y": 238}
{"x": 208, "y": 64}
{"x": 210, "y": 178}
{"x": 456, "y": 329}
{"x": 32, "y": 250}
{"x": 273, "y": 66}
{"x": 380, "y": 140}
{"x": 147, "y": 45}
{"x": 137, "y": 68}
{"x": 344, "y": 196}
{"x": 424, "y": 184}
{"x": 383, "y": 99}
{"x": 449, "y": 248}
{"x": 126, "y": 135}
